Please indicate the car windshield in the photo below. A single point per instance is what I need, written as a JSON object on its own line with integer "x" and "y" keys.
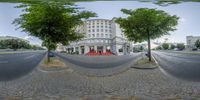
{"x": 99, "y": 50}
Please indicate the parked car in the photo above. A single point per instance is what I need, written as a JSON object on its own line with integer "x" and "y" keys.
{"x": 194, "y": 49}
{"x": 51, "y": 54}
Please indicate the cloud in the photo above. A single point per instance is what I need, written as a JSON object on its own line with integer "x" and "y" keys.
{"x": 28, "y": 38}
{"x": 182, "y": 19}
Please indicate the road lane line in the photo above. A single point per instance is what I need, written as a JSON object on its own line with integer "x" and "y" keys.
{"x": 3, "y": 62}
{"x": 29, "y": 57}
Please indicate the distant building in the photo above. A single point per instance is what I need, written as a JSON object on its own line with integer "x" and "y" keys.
{"x": 101, "y": 36}
{"x": 191, "y": 41}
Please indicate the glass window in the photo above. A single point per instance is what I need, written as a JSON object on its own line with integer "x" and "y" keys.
{"x": 89, "y": 35}
{"x": 92, "y": 26}
{"x": 106, "y": 30}
{"x": 101, "y": 34}
{"x": 93, "y": 30}
{"x": 105, "y": 26}
{"x": 98, "y": 35}
{"x": 97, "y": 26}
{"x": 101, "y": 30}
{"x": 89, "y": 30}
{"x": 101, "y": 26}
{"x": 106, "y": 35}
{"x": 93, "y": 35}
{"x": 97, "y": 30}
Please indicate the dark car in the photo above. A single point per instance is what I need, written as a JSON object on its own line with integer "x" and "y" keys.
{"x": 194, "y": 49}
{"x": 51, "y": 54}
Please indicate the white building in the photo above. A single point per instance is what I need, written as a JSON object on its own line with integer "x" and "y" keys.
{"x": 101, "y": 35}
{"x": 191, "y": 41}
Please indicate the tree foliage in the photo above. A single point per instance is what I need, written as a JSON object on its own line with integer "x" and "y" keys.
{"x": 52, "y": 21}
{"x": 180, "y": 46}
{"x": 17, "y": 44}
{"x": 144, "y": 24}
{"x": 197, "y": 43}
{"x": 172, "y": 46}
{"x": 165, "y": 46}
{"x": 142, "y": 21}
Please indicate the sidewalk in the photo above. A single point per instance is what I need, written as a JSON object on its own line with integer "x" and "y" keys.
{"x": 134, "y": 83}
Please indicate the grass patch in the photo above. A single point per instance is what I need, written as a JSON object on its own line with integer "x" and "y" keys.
{"x": 54, "y": 63}
{"x": 144, "y": 63}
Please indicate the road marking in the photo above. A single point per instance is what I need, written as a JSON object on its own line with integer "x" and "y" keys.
{"x": 29, "y": 57}
{"x": 3, "y": 62}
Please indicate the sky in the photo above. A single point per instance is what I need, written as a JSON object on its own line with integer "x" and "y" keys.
{"x": 189, "y": 23}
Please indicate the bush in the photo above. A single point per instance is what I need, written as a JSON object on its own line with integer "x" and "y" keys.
{"x": 172, "y": 46}
{"x": 180, "y": 46}
{"x": 165, "y": 46}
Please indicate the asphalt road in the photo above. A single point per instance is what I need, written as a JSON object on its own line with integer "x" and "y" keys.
{"x": 99, "y": 62}
{"x": 181, "y": 65}
{"x": 18, "y": 64}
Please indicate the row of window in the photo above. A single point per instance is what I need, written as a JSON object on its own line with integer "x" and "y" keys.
{"x": 98, "y": 35}
{"x": 98, "y": 22}
{"x": 98, "y": 30}
{"x": 98, "y": 41}
{"x": 99, "y": 27}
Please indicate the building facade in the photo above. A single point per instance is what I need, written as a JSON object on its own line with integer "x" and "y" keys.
{"x": 191, "y": 41}
{"x": 100, "y": 35}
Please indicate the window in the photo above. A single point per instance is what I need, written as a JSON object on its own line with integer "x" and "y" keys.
{"x": 110, "y": 35}
{"x": 92, "y": 26}
{"x": 101, "y": 30}
{"x": 98, "y": 35}
{"x": 101, "y": 26}
{"x": 110, "y": 31}
{"x": 106, "y": 35}
{"x": 105, "y": 26}
{"x": 106, "y": 30}
{"x": 89, "y": 30}
{"x": 97, "y": 26}
{"x": 89, "y": 35}
{"x": 93, "y": 30}
{"x": 120, "y": 49}
{"x": 101, "y": 34}
{"x": 97, "y": 30}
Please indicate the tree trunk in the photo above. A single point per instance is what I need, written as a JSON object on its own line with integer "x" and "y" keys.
{"x": 149, "y": 47}
{"x": 48, "y": 58}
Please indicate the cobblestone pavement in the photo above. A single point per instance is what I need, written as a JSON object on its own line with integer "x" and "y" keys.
{"x": 69, "y": 85}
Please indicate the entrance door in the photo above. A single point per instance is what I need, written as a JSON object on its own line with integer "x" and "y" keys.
{"x": 100, "y": 49}
{"x": 82, "y": 50}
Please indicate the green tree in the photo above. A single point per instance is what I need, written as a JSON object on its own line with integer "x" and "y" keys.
{"x": 52, "y": 21}
{"x": 144, "y": 24}
{"x": 172, "y": 46}
{"x": 165, "y": 46}
{"x": 180, "y": 46}
{"x": 158, "y": 48}
{"x": 197, "y": 43}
